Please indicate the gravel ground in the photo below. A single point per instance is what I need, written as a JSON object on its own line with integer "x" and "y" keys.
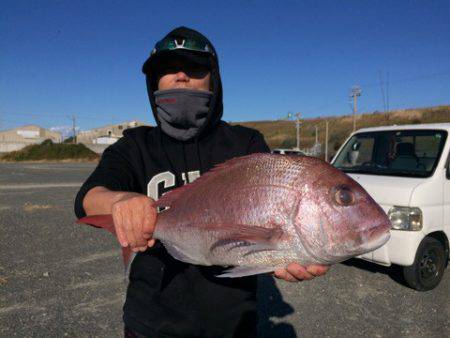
{"x": 62, "y": 279}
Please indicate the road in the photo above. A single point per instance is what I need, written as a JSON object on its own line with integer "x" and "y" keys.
{"x": 61, "y": 279}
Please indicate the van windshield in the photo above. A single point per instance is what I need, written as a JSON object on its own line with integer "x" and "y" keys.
{"x": 412, "y": 153}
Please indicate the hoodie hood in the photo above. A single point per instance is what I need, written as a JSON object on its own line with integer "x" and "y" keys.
{"x": 216, "y": 105}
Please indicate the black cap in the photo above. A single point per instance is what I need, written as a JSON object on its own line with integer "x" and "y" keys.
{"x": 155, "y": 61}
{"x": 184, "y": 44}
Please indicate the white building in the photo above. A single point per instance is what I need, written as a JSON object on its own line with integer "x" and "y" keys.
{"x": 18, "y": 138}
{"x": 106, "y": 135}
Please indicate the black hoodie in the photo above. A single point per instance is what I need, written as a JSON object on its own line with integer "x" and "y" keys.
{"x": 166, "y": 297}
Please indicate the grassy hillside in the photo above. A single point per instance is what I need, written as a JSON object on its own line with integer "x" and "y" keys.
{"x": 282, "y": 133}
{"x": 278, "y": 134}
{"x": 49, "y": 151}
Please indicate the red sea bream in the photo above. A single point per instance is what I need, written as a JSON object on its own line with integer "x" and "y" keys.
{"x": 261, "y": 212}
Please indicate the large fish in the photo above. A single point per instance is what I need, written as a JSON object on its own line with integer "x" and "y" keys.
{"x": 260, "y": 212}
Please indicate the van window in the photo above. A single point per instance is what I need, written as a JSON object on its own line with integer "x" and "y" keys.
{"x": 293, "y": 152}
{"x": 413, "y": 153}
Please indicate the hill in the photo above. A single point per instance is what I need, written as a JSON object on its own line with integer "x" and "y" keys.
{"x": 281, "y": 133}
{"x": 49, "y": 151}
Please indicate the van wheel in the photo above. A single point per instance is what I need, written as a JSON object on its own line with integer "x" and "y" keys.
{"x": 428, "y": 267}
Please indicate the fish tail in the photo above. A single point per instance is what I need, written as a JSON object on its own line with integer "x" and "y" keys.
{"x": 106, "y": 222}
{"x": 99, "y": 221}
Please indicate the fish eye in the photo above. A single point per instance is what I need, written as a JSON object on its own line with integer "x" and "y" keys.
{"x": 343, "y": 195}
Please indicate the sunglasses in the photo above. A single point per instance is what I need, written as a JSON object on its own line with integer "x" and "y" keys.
{"x": 171, "y": 43}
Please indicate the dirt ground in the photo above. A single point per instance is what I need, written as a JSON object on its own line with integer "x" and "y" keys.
{"x": 62, "y": 279}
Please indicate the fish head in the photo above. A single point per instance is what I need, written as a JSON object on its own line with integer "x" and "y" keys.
{"x": 337, "y": 219}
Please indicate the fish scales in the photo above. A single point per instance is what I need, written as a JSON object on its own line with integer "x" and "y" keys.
{"x": 222, "y": 197}
{"x": 258, "y": 198}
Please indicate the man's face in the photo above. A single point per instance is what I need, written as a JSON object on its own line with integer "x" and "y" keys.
{"x": 178, "y": 73}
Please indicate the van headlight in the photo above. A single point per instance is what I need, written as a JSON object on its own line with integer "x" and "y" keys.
{"x": 405, "y": 218}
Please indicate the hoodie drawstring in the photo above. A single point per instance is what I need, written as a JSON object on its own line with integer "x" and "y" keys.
{"x": 185, "y": 163}
{"x": 164, "y": 151}
{"x": 183, "y": 150}
{"x": 197, "y": 146}
{"x": 202, "y": 168}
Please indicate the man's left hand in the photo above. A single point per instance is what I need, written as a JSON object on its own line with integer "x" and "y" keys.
{"x": 295, "y": 272}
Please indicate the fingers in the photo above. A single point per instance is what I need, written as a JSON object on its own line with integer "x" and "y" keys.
{"x": 317, "y": 270}
{"x": 135, "y": 224}
{"x": 283, "y": 274}
{"x": 149, "y": 221}
{"x": 133, "y": 231}
{"x": 299, "y": 272}
{"x": 120, "y": 231}
{"x": 295, "y": 272}
{"x": 144, "y": 219}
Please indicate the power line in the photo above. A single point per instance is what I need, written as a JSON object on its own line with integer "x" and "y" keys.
{"x": 410, "y": 79}
{"x": 49, "y": 115}
{"x": 386, "y": 89}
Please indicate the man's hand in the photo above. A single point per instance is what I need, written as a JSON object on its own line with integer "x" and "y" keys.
{"x": 134, "y": 215}
{"x": 134, "y": 219}
{"x": 295, "y": 272}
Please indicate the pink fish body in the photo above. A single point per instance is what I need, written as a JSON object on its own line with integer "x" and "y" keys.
{"x": 261, "y": 212}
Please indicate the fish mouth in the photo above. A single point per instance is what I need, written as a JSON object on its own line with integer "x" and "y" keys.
{"x": 360, "y": 242}
{"x": 377, "y": 236}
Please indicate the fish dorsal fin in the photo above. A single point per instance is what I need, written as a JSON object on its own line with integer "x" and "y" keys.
{"x": 170, "y": 197}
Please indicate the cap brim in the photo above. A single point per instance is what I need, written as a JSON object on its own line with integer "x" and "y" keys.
{"x": 198, "y": 58}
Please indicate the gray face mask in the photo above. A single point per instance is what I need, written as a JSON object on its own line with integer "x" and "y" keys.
{"x": 182, "y": 112}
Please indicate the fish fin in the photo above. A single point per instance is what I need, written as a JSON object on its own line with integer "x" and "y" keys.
{"x": 100, "y": 221}
{"x": 258, "y": 237}
{"x": 261, "y": 247}
{"x": 170, "y": 197}
{"x": 128, "y": 258}
{"x": 241, "y": 271}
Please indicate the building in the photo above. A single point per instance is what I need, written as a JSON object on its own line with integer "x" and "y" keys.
{"x": 18, "y": 138}
{"x": 106, "y": 134}
{"x": 98, "y": 139}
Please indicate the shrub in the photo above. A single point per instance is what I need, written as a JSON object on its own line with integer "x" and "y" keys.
{"x": 48, "y": 150}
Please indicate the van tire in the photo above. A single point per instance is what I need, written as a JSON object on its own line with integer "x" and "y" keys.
{"x": 428, "y": 267}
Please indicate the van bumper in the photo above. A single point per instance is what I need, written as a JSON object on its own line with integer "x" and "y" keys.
{"x": 400, "y": 249}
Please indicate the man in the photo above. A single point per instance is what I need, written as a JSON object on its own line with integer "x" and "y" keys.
{"x": 165, "y": 297}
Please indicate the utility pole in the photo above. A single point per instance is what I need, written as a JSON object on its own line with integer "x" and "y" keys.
{"x": 317, "y": 135}
{"x": 356, "y": 91}
{"x": 326, "y": 140}
{"x": 74, "y": 129}
{"x": 383, "y": 95}
{"x": 387, "y": 91}
{"x": 297, "y": 126}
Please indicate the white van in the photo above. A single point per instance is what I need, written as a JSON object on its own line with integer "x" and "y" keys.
{"x": 287, "y": 152}
{"x": 406, "y": 170}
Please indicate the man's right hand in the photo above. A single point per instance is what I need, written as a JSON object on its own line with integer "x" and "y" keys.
{"x": 134, "y": 219}
{"x": 134, "y": 215}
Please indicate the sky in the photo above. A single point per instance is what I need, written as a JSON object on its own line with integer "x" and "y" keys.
{"x": 60, "y": 59}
